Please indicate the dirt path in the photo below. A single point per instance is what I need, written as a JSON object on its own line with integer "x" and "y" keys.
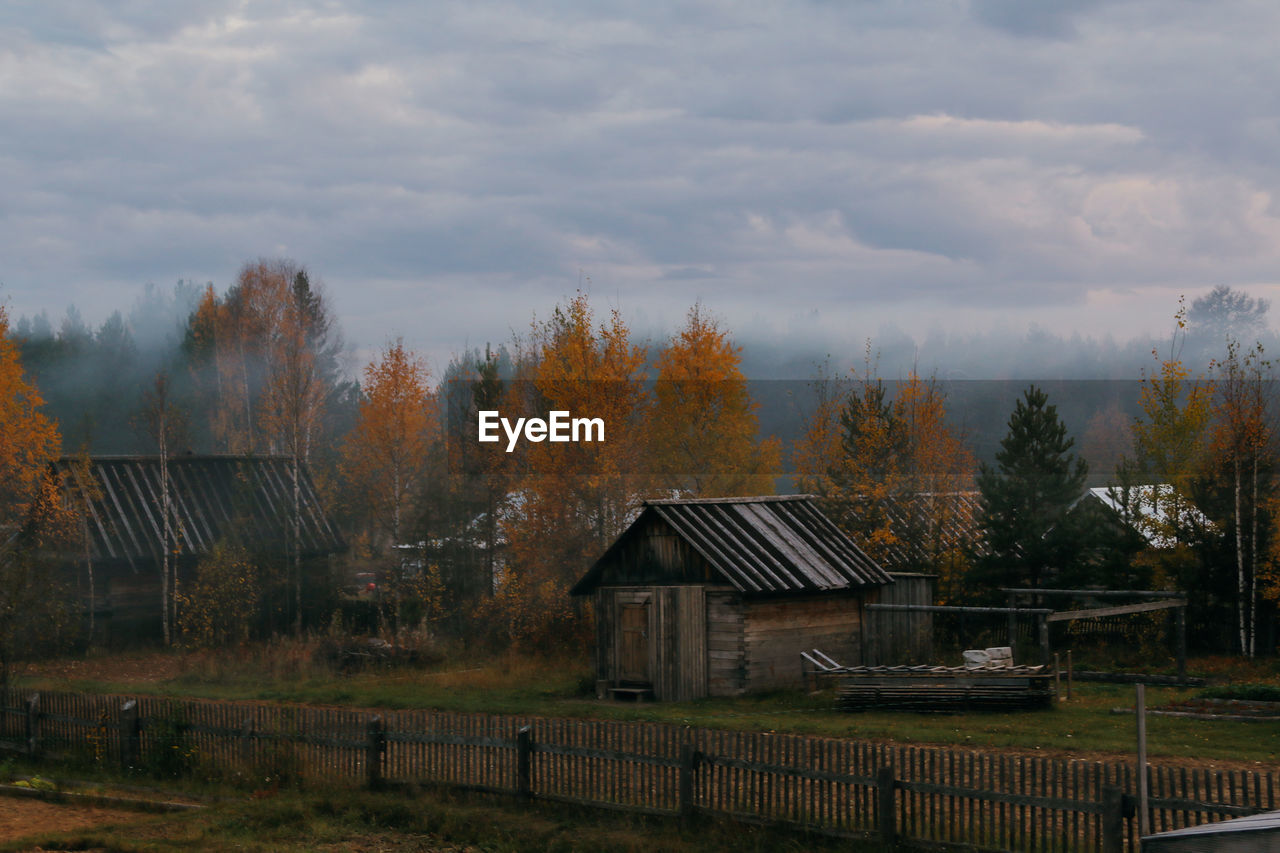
{"x": 21, "y": 818}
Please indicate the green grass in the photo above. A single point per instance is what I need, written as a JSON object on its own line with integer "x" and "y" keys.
{"x": 1246, "y": 692}
{"x": 532, "y": 686}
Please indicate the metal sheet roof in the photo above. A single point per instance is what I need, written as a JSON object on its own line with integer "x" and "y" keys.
{"x": 211, "y": 497}
{"x": 765, "y": 545}
{"x": 925, "y": 524}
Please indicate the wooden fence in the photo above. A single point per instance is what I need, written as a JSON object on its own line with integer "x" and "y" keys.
{"x": 845, "y": 787}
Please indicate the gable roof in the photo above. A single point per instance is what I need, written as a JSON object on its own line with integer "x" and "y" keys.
{"x": 211, "y": 497}
{"x": 760, "y": 545}
{"x": 1149, "y": 511}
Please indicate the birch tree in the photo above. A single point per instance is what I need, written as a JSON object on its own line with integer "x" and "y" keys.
{"x": 1242, "y": 442}
{"x": 385, "y": 457}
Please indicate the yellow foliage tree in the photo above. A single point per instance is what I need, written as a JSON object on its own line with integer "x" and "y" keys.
{"x": 574, "y": 498}
{"x": 704, "y": 424}
{"x": 387, "y": 453}
{"x": 33, "y": 515}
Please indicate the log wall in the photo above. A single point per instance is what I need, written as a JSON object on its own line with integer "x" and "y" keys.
{"x": 776, "y": 631}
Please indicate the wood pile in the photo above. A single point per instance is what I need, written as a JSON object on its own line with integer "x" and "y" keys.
{"x": 945, "y": 688}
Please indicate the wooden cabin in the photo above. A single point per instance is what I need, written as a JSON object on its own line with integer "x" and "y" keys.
{"x": 718, "y": 597}
{"x": 116, "y": 567}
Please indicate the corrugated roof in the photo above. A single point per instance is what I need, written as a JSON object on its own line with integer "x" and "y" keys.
{"x": 764, "y": 544}
{"x": 925, "y": 524}
{"x": 211, "y": 498}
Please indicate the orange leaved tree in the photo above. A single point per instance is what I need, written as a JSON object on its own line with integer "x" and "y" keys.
{"x": 33, "y": 516}
{"x": 386, "y": 456}
{"x": 703, "y": 435}
{"x": 572, "y": 499}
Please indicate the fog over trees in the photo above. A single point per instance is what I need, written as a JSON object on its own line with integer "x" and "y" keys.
{"x": 469, "y": 537}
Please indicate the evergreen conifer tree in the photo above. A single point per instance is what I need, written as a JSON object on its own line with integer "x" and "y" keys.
{"x": 1025, "y": 498}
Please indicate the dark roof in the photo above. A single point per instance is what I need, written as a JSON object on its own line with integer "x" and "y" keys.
{"x": 761, "y": 545}
{"x": 211, "y": 497}
{"x": 925, "y": 524}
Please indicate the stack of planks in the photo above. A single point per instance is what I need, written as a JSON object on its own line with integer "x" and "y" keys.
{"x": 944, "y": 688}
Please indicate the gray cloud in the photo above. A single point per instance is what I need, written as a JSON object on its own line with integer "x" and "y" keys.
{"x": 451, "y": 168}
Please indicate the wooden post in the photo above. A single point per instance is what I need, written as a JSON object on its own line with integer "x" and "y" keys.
{"x": 1013, "y": 626}
{"x": 1112, "y": 819}
{"x": 1042, "y": 623}
{"x": 1057, "y": 678}
{"x": 1144, "y": 821}
{"x": 1069, "y": 675}
{"x": 524, "y": 763}
{"x": 885, "y": 823}
{"x": 688, "y": 766}
{"x": 130, "y": 734}
{"x": 246, "y": 743}
{"x": 32, "y": 728}
{"x": 375, "y": 748}
{"x": 1180, "y": 627}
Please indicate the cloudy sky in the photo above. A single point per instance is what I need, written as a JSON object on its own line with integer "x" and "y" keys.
{"x": 803, "y": 168}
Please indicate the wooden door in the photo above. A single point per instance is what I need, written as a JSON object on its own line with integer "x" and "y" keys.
{"x": 633, "y": 649}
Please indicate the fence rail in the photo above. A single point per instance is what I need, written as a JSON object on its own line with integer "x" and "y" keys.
{"x": 908, "y": 793}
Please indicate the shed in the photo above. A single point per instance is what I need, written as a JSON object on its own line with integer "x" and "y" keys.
{"x": 211, "y": 498}
{"x": 718, "y": 597}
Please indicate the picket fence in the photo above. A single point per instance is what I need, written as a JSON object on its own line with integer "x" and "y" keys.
{"x": 843, "y": 787}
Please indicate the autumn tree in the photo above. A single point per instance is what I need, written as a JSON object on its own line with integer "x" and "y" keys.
{"x": 1025, "y": 497}
{"x": 576, "y": 497}
{"x": 1242, "y": 446}
{"x": 887, "y": 465}
{"x": 165, "y": 424}
{"x": 386, "y": 456}
{"x": 33, "y": 515}
{"x": 1170, "y": 434}
{"x": 704, "y": 423}
{"x": 264, "y": 360}
{"x": 937, "y": 466}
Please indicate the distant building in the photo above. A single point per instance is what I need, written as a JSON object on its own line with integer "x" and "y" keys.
{"x": 212, "y": 498}
{"x": 1155, "y": 512}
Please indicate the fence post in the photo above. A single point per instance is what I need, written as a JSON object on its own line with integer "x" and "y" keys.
{"x": 688, "y": 766}
{"x": 524, "y": 763}
{"x": 1042, "y": 626}
{"x": 885, "y": 823}
{"x": 1012, "y": 623}
{"x": 1112, "y": 819}
{"x": 375, "y": 748}
{"x": 246, "y": 743}
{"x": 130, "y": 734}
{"x": 33, "y": 725}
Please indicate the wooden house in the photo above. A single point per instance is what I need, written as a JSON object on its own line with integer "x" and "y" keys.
{"x": 116, "y": 566}
{"x": 718, "y": 597}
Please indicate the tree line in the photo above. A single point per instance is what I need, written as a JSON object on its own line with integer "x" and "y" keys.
{"x": 467, "y": 540}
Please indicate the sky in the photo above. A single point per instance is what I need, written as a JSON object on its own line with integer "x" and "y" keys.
{"x": 809, "y": 171}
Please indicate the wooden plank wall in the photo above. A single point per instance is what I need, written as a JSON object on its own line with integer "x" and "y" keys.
{"x": 776, "y": 631}
{"x": 895, "y": 638}
{"x": 726, "y": 649}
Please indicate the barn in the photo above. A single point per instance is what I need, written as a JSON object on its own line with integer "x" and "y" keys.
{"x": 718, "y": 597}
{"x": 116, "y": 566}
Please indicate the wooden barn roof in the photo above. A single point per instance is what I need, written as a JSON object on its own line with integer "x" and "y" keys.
{"x": 211, "y": 498}
{"x": 762, "y": 545}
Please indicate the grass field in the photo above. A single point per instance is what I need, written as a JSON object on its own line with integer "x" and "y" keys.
{"x": 287, "y": 672}
{"x": 419, "y": 820}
